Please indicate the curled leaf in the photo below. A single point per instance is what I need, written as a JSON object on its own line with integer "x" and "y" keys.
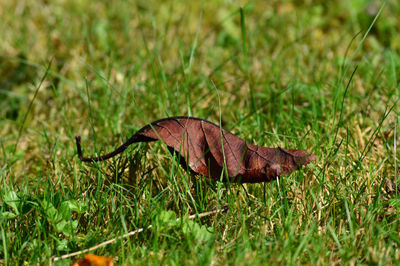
{"x": 206, "y": 148}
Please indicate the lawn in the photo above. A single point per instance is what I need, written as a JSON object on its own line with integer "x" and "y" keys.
{"x": 316, "y": 75}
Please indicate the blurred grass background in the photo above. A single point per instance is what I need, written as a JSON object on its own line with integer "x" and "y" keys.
{"x": 278, "y": 73}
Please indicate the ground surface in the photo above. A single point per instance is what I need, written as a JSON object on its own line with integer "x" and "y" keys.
{"x": 321, "y": 76}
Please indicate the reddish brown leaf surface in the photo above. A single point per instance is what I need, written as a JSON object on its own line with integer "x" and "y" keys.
{"x": 94, "y": 260}
{"x": 206, "y": 148}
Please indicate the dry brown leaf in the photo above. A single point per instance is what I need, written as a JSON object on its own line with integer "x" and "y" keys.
{"x": 206, "y": 148}
{"x": 94, "y": 260}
